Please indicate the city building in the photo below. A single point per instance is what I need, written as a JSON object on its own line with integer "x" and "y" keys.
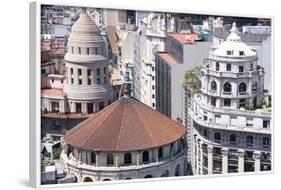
{"x": 126, "y": 140}
{"x": 84, "y": 89}
{"x": 184, "y": 51}
{"x": 229, "y": 122}
{"x": 149, "y": 39}
{"x": 260, "y": 40}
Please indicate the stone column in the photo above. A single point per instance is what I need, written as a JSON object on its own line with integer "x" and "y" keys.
{"x": 116, "y": 161}
{"x": 138, "y": 158}
{"x": 210, "y": 159}
{"x": 241, "y": 154}
{"x": 201, "y": 157}
{"x": 156, "y": 155}
{"x": 224, "y": 152}
{"x": 89, "y": 158}
{"x": 97, "y": 159}
{"x": 257, "y": 158}
{"x": 197, "y": 156}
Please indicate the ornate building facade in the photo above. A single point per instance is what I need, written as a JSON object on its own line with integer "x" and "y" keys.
{"x": 126, "y": 140}
{"x": 230, "y": 129}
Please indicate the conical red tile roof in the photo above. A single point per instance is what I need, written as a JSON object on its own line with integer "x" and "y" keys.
{"x": 125, "y": 125}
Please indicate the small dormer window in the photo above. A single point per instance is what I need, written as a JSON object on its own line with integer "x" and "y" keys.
{"x": 228, "y": 52}
{"x": 241, "y": 53}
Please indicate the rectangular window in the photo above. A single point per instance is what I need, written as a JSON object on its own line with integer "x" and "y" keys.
{"x": 152, "y": 68}
{"x": 80, "y": 81}
{"x": 55, "y": 106}
{"x": 71, "y": 71}
{"x": 79, "y": 50}
{"x": 153, "y": 96}
{"x": 104, "y": 70}
{"x": 152, "y": 77}
{"x": 78, "y": 107}
{"x": 72, "y": 49}
{"x": 72, "y": 81}
{"x": 89, "y": 72}
{"x": 79, "y": 72}
{"x": 90, "y": 108}
{"x": 88, "y": 51}
{"x": 241, "y": 53}
{"x": 98, "y": 81}
{"x": 98, "y": 71}
{"x": 101, "y": 106}
{"x": 241, "y": 69}
{"x": 61, "y": 81}
{"x": 227, "y": 102}
{"x": 228, "y": 52}
{"x": 153, "y": 105}
{"x": 266, "y": 124}
{"x": 254, "y": 86}
{"x": 217, "y": 66}
{"x": 89, "y": 81}
{"x": 153, "y": 87}
{"x": 251, "y": 66}
{"x": 53, "y": 80}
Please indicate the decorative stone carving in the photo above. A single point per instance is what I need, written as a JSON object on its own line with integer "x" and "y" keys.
{"x": 241, "y": 153}
{"x": 257, "y": 155}
{"x": 224, "y": 151}
{"x": 210, "y": 149}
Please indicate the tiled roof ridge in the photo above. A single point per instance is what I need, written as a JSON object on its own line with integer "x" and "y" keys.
{"x": 121, "y": 128}
{"x": 152, "y": 140}
{"x": 96, "y": 129}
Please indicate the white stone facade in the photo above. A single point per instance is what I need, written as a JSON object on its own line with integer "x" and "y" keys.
{"x": 149, "y": 39}
{"x": 88, "y": 166}
{"x": 229, "y": 133}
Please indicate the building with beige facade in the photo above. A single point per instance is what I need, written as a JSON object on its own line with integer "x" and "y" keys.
{"x": 84, "y": 89}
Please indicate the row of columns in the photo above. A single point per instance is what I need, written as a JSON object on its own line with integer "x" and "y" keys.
{"x": 241, "y": 154}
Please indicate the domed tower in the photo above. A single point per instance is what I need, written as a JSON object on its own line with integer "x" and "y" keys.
{"x": 229, "y": 132}
{"x": 87, "y": 84}
{"x": 231, "y": 77}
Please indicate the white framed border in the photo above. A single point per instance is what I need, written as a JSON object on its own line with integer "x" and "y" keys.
{"x": 35, "y": 89}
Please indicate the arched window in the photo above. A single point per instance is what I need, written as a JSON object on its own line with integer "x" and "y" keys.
{"x": 160, "y": 153}
{"x": 242, "y": 87}
{"x": 87, "y": 179}
{"x": 93, "y": 157}
{"x": 228, "y": 67}
{"x": 227, "y": 87}
{"x": 127, "y": 158}
{"x": 145, "y": 156}
{"x": 109, "y": 159}
{"x": 249, "y": 140}
{"x": 232, "y": 138}
{"x": 217, "y": 136}
{"x": 177, "y": 170}
{"x": 213, "y": 85}
{"x": 148, "y": 176}
{"x": 265, "y": 141}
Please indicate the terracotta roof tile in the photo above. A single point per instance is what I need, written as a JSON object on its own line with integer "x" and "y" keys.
{"x": 125, "y": 125}
{"x": 168, "y": 58}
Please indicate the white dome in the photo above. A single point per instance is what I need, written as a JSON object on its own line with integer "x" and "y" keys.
{"x": 235, "y": 45}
